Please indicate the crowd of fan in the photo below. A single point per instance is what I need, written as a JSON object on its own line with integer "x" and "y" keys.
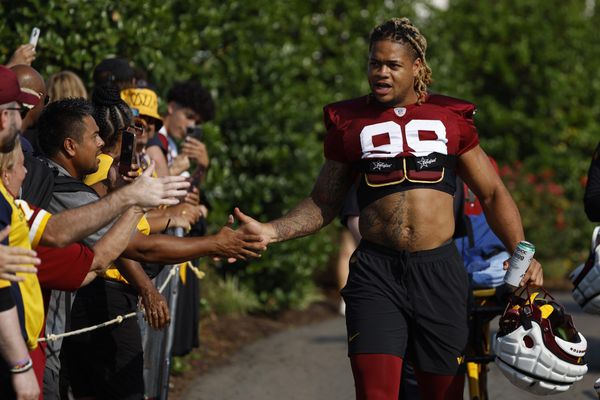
{"x": 84, "y": 232}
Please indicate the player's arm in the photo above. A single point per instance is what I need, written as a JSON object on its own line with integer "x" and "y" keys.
{"x": 501, "y": 212}
{"x": 312, "y": 213}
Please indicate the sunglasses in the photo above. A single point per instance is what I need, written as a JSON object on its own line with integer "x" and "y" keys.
{"x": 23, "y": 110}
{"x": 136, "y": 129}
{"x": 140, "y": 126}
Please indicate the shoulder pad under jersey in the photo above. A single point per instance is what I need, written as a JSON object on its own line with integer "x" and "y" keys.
{"x": 463, "y": 108}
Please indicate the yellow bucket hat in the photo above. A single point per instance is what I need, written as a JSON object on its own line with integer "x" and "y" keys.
{"x": 144, "y": 100}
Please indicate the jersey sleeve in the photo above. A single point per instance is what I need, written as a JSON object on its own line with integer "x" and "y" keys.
{"x": 64, "y": 268}
{"x": 334, "y": 139}
{"x": 465, "y": 111}
{"x": 37, "y": 219}
{"x": 468, "y": 135}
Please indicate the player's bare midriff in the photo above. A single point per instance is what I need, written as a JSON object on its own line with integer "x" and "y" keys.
{"x": 413, "y": 220}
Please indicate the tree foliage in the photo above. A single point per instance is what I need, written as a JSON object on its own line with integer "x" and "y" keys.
{"x": 531, "y": 68}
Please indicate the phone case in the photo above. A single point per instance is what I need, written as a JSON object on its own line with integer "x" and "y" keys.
{"x": 35, "y": 35}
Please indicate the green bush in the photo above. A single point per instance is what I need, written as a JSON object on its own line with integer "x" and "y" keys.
{"x": 531, "y": 67}
{"x": 553, "y": 222}
{"x": 225, "y": 296}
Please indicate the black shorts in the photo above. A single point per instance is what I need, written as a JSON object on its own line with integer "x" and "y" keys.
{"x": 106, "y": 363}
{"x": 411, "y": 305}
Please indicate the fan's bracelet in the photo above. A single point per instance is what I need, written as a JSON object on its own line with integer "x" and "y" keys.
{"x": 22, "y": 366}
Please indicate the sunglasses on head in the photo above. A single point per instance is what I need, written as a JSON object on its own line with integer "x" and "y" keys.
{"x": 24, "y": 109}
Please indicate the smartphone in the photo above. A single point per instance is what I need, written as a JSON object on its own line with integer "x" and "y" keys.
{"x": 35, "y": 35}
{"x": 127, "y": 152}
{"x": 195, "y": 132}
{"x": 196, "y": 179}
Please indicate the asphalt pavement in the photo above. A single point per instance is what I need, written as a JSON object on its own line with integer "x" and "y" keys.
{"x": 310, "y": 363}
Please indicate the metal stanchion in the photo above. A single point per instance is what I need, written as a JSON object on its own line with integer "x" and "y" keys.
{"x": 157, "y": 344}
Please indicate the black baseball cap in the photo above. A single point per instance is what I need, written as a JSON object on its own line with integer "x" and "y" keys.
{"x": 113, "y": 70}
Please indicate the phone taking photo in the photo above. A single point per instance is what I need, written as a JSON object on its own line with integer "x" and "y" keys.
{"x": 127, "y": 152}
{"x": 35, "y": 35}
{"x": 195, "y": 132}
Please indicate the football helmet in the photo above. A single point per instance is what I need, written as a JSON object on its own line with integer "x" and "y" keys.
{"x": 537, "y": 346}
{"x": 586, "y": 279}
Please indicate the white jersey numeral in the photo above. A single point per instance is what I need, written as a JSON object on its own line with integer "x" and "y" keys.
{"x": 385, "y": 139}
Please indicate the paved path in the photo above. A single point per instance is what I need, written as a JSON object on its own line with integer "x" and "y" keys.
{"x": 305, "y": 363}
{"x": 310, "y": 363}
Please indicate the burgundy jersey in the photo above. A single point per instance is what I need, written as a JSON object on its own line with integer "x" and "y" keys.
{"x": 399, "y": 148}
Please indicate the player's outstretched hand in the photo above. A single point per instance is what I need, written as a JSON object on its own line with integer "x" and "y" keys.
{"x": 151, "y": 192}
{"x": 251, "y": 226}
{"x": 15, "y": 259}
{"x": 238, "y": 244}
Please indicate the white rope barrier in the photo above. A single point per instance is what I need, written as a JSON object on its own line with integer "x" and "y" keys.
{"x": 117, "y": 320}
{"x": 120, "y": 318}
{"x": 172, "y": 273}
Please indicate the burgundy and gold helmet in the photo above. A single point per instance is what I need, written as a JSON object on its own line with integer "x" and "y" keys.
{"x": 537, "y": 346}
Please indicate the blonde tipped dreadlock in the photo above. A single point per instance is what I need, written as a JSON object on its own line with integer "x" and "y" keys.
{"x": 401, "y": 30}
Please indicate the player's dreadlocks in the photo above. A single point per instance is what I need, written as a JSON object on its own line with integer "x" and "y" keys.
{"x": 401, "y": 30}
{"x": 110, "y": 112}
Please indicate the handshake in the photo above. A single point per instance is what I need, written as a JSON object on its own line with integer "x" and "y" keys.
{"x": 249, "y": 240}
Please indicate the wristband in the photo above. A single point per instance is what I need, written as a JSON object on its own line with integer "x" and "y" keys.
{"x": 22, "y": 366}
